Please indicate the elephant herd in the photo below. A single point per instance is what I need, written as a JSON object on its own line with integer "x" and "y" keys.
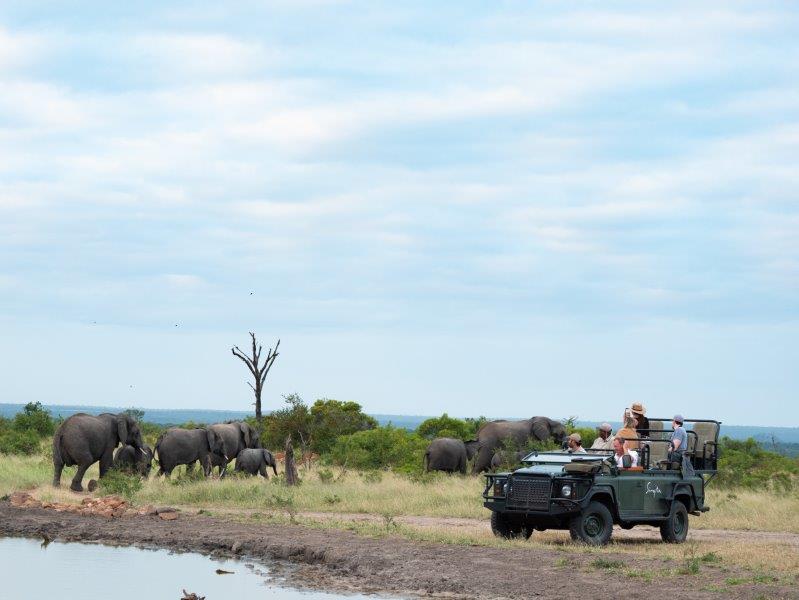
{"x": 82, "y": 440}
{"x": 451, "y": 455}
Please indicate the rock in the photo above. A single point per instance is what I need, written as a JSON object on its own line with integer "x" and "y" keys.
{"x": 165, "y": 509}
{"x": 236, "y": 548}
{"x": 92, "y": 485}
{"x": 169, "y": 516}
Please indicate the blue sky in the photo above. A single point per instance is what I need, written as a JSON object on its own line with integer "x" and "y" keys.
{"x": 506, "y": 209}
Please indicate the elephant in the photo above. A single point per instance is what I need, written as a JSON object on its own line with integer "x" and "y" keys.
{"x": 134, "y": 460}
{"x": 255, "y": 460}
{"x": 493, "y": 434}
{"x": 448, "y": 454}
{"x": 236, "y": 436}
{"x": 178, "y": 446}
{"x": 501, "y": 458}
{"x": 84, "y": 439}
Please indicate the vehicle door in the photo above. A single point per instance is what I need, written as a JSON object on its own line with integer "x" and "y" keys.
{"x": 630, "y": 493}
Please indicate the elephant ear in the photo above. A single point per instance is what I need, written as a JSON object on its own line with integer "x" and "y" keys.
{"x": 122, "y": 429}
{"x": 540, "y": 429}
{"x": 245, "y": 432}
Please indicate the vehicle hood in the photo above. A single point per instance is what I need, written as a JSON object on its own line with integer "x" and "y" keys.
{"x": 550, "y": 470}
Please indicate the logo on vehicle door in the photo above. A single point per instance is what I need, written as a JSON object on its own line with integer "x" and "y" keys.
{"x": 653, "y": 489}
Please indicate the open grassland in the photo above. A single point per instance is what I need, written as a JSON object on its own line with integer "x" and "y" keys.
{"x": 376, "y": 493}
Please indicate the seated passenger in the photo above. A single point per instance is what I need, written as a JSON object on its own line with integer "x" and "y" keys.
{"x": 639, "y": 413}
{"x": 678, "y": 440}
{"x": 628, "y": 431}
{"x": 603, "y": 440}
{"x": 620, "y": 450}
{"x": 575, "y": 442}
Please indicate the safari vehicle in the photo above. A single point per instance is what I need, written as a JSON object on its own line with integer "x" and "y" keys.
{"x": 587, "y": 493}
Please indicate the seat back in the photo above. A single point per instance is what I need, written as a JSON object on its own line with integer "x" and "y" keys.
{"x": 657, "y": 451}
{"x": 706, "y": 434}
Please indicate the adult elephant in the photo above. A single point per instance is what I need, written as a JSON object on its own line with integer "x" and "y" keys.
{"x": 493, "y": 434}
{"x": 236, "y": 436}
{"x": 134, "y": 460}
{"x": 83, "y": 440}
{"x": 178, "y": 446}
{"x": 255, "y": 460}
{"x": 449, "y": 455}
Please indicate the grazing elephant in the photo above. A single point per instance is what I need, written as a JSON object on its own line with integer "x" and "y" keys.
{"x": 492, "y": 435}
{"x": 448, "y": 454}
{"x": 501, "y": 458}
{"x": 236, "y": 436}
{"x": 255, "y": 460}
{"x": 178, "y": 446}
{"x": 83, "y": 440}
{"x": 134, "y": 460}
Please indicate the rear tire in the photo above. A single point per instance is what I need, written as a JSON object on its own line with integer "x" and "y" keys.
{"x": 593, "y": 526}
{"x": 675, "y": 529}
{"x": 506, "y": 527}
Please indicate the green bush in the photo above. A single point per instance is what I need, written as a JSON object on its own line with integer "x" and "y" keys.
{"x": 744, "y": 463}
{"x": 34, "y": 418}
{"x": 380, "y": 448}
{"x": 19, "y": 442}
{"x": 120, "y": 483}
{"x": 446, "y": 426}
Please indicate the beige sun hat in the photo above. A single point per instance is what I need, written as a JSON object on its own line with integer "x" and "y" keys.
{"x": 576, "y": 437}
{"x": 638, "y": 408}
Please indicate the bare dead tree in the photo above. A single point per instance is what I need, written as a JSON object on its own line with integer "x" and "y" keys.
{"x": 289, "y": 468}
{"x": 258, "y": 369}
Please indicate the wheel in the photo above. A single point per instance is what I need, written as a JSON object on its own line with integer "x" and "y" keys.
{"x": 675, "y": 529}
{"x": 593, "y": 526}
{"x": 506, "y": 527}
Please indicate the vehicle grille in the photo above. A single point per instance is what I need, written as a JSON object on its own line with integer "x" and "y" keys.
{"x": 529, "y": 492}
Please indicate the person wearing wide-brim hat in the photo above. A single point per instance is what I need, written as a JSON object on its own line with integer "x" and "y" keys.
{"x": 642, "y": 425}
{"x": 603, "y": 441}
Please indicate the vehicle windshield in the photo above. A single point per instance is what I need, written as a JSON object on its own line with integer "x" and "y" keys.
{"x": 562, "y": 458}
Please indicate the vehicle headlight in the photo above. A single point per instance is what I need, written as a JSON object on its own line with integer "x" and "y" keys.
{"x": 566, "y": 490}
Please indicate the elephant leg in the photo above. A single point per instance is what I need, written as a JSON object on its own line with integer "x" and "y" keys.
{"x": 105, "y": 462}
{"x": 190, "y": 468}
{"x": 262, "y": 471}
{"x": 76, "y": 486}
{"x": 207, "y": 466}
{"x": 483, "y": 460}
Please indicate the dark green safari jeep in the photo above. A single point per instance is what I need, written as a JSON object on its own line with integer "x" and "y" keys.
{"x": 588, "y": 493}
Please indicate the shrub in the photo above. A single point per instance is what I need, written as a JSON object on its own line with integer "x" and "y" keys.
{"x": 333, "y": 418}
{"x": 325, "y": 475}
{"x": 36, "y": 419}
{"x": 744, "y": 463}
{"x": 120, "y": 483}
{"x": 445, "y": 426}
{"x": 380, "y": 448}
{"x": 19, "y": 442}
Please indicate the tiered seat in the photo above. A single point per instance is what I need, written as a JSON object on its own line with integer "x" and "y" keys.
{"x": 705, "y": 441}
{"x": 657, "y": 451}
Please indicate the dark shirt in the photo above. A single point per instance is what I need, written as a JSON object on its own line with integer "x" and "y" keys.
{"x": 643, "y": 426}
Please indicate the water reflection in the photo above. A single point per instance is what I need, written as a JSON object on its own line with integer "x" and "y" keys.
{"x": 31, "y": 571}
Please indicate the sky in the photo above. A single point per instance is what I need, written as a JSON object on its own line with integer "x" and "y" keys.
{"x": 501, "y": 209}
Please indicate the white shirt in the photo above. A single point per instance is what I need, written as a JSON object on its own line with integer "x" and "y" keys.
{"x": 633, "y": 455}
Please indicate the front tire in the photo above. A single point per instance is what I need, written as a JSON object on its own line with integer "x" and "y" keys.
{"x": 675, "y": 529}
{"x": 593, "y": 526}
{"x": 502, "y": 525}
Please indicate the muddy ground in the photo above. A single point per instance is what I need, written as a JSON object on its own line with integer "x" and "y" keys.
{"x": 336, "y": 560}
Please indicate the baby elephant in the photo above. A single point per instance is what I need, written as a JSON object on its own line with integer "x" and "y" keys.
{"x": 133, "y": 460}
{"x": 255, "y": 460}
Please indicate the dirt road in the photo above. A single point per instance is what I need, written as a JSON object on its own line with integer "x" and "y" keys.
{"x": 341, "y": 560}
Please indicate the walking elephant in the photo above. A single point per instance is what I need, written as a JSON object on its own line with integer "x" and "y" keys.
{"x": 178, "y": 446}
{"x": 492, "y": 435}
{"x": 255, "y": 460}
{"x": 83, "y": 440}
{"x": 448, "y": 454}
{"x": 236, "y": 436}
{"x": 134, "y": 460}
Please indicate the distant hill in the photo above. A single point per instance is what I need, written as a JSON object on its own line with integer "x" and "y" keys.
{"x": 782, "y": 438}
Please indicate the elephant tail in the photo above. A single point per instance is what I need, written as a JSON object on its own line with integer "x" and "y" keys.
{"x": 57, "y": 458}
